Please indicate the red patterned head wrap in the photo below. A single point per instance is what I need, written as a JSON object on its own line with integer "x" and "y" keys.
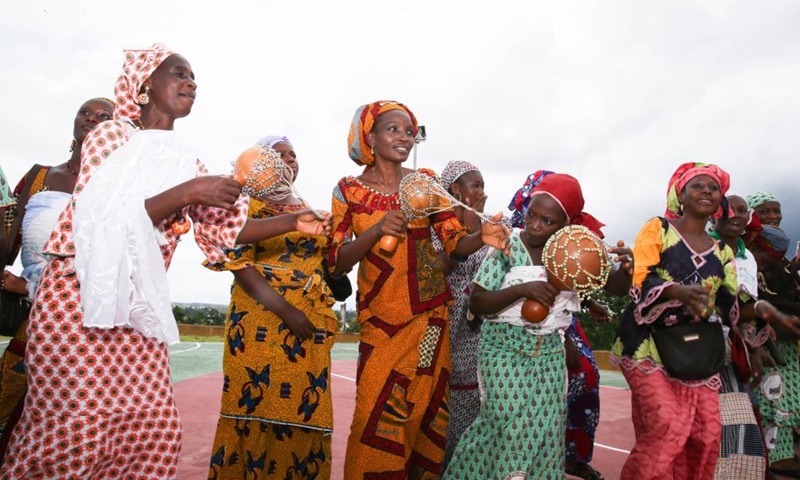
{"x": 363, "y": 121}
{"x": 566, "y": 190}
{"x": 688, "y": 171}
{"x": 138, "y": 66}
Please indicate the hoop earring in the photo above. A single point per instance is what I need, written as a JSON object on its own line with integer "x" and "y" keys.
{"x": 680, "y": 208}
{"x": 72, "y": 146}
{"x": 144, "y": 98}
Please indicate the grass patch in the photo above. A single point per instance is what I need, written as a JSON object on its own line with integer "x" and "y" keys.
{"x": 198, "y": 338}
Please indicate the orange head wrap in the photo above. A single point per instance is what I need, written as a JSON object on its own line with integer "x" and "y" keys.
{"x": 364, "y": 119}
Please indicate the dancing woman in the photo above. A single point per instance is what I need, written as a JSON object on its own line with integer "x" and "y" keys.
{"x": 400, "y": 422}
{"x": 49, "y": 190}
{"x": 520, "y": 431}
{"x": 464, "y": 181}
{"x": 681, "y": 276}
{"x": 277, "y": 410}
{"x": 100, "y": 401}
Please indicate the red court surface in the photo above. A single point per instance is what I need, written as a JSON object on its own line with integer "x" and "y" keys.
{"x": 198, "y": 400}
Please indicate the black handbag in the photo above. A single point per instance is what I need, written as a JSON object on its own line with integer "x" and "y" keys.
{"x": 14, "y": 308}
{"x": 340, "y": 286}
{"x": 693, "y": 351}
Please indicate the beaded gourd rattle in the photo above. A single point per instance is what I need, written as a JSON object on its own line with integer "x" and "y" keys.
{"x": 263, "y": 174}
{"x": 421, "y": 195}
{"x": 576, "y": 259}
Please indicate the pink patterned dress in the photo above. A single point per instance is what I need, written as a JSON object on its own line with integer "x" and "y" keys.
{"x": 100, "y": 401}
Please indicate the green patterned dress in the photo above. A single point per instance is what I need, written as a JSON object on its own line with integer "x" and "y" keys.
{"x": 520, "y": 430}
{"x": 779, "y": 392}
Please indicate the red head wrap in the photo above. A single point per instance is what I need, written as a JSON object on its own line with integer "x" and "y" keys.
{"x": 688, "y": 171}
{"x": 566, "y": 190}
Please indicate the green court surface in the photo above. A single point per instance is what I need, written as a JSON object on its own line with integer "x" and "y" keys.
{"x": 192, "y": 359}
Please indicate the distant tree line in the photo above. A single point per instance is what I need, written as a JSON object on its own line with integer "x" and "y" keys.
{"x": 198, "y": 315}
{"x": 601, "y": 335}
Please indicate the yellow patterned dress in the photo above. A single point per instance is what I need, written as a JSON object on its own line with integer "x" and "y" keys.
{"x": 399, "y": 427}
{"x": 277, "y": 415}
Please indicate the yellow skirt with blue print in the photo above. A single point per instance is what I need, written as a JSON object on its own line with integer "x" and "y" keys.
{"x": 277, "y": 415}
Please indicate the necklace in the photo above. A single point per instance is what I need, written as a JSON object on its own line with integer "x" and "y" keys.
{"x": 71, "y": 170}
{"x": 384, "y": 188}
{"x": 138, "y": 123}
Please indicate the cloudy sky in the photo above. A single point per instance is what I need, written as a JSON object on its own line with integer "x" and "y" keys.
{"x": 616, "y": 93}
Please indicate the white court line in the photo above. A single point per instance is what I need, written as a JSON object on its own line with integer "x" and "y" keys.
{"x": 610, "y": 448}
{"x": 196, "y": 346}
{"x": 4, "y": 342}
{"x": 342, "y": 347}
{"x": 615, "y": 388}
{"x": 596, "y": 444}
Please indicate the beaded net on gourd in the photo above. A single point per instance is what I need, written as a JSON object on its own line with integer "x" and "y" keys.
{"x": 268, "y": 177}
{"x": 420, "y": 196}
{"x": 578, "y": 258}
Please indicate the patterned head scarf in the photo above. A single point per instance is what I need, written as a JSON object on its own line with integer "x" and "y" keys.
{"x": 138, "y": 66}
{"x": 363, "y": 121}
{"x": 519, "y": 203}
{"x": 271, "y": 140}
{"x": 454, "y": 170}
{"x": 688, "y": 171}
{"x": 760, "y": 198}
{"x": 771, "y": 240}
{"x": 564, "y": 189}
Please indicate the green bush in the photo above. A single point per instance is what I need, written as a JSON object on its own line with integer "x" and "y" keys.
{"x": 352, "y": 322}
{"x": 601, "y": 335}
{"x": 206, "y": 315}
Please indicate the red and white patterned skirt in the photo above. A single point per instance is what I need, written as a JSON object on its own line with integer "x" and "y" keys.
{"x": 99, "y": 402}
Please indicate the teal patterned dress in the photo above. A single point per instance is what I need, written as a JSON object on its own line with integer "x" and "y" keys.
{"x": 520, "y": 431}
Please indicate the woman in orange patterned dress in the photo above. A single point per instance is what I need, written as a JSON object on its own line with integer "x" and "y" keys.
{"x": 399, "y": 426}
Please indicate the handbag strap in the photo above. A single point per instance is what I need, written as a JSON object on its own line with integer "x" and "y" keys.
{"x": 9, "y": 255}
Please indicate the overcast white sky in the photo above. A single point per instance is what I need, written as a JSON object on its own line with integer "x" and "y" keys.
{"x": 616, "y": 93}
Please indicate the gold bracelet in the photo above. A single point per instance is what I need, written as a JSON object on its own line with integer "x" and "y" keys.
{"x": 755, "y": 308}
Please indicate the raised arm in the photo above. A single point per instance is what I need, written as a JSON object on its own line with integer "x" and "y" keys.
{"x": 305, "y": 221}
{"x": 620, "y": 280}
{"x": 348, "y": 254}
{"x": 218, "y": 191}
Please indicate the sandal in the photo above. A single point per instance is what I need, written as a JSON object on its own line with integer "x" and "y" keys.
{"x": 583, "y": 470}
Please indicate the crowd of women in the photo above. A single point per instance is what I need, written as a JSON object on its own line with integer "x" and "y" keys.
{"x": 452, "y": 381}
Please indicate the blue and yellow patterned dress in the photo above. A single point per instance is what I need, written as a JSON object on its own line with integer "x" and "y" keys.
{"x": 277, "y": 413}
